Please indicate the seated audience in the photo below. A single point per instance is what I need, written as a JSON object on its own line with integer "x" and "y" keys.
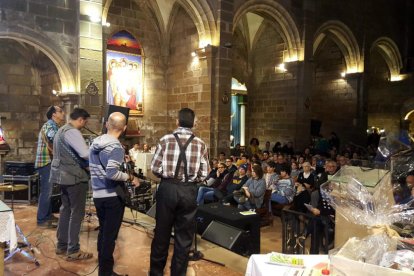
{"x": 253, "y": 190}
{"x": 239, "y": 179}
{"x": 304, "y": 188}
{"x": 407, "y": 191}
{"x": 271, "y": 177}
{"x": 207, "y": 192}
{"x": 284, "y": 190}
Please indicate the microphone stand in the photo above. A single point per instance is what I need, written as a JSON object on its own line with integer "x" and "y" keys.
{"x": 94, "y": 133}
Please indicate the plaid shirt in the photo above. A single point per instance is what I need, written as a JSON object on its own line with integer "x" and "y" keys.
{"x": 48, "y": 131}
{"x": 166, "y": 156}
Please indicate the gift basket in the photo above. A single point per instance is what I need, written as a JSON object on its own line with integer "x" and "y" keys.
{"x": 384, "y": 248}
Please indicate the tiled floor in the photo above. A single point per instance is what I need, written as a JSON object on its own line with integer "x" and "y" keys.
{"x": 131, "y": 253}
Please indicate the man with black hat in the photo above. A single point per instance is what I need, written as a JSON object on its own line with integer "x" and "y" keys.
{"x": 180, "y": 160}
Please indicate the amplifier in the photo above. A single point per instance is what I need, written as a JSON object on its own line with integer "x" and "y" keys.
{"x": 25, "y": 196}
{"x": 19, "y": 168}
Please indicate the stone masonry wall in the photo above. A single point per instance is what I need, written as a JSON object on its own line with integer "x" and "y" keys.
{"x": 188, "y": 81}
{"x": 130, "y": 16}
{"x": 54, "y": 22}
{"x": 333, "y": 97}
{"x": 385, "y": 98}
{"x": 272, "y": 101}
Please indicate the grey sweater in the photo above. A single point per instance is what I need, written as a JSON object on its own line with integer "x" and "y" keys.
{"x": 257, "y": 188}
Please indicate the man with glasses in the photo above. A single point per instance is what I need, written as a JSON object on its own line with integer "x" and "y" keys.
{"x": 69, "y": 170}
{"x": 55, "y": 117}
{"x": 230, "y": 166}
{"x": 207, "y": 193}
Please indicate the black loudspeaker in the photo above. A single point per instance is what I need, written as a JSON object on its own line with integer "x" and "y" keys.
{"x": 315, "y": 127}
{"x": 152, "y": 211}
{"x": 227, "y": 236}
{"x": 114, "y": 108}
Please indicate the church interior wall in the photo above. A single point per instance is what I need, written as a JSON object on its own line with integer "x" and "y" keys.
{"x": 173, "y": 80}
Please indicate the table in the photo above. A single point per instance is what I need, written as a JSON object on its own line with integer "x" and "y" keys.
{"x": 231, "y": 216}
{"x": 143, "y": 162}
{"x": 258, "y": 266}
{"x": 7, "y": 226}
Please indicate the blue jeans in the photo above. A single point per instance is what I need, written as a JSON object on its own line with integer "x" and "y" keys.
{"x": 44, "y": 209}
{"x": 204, "y": 193}
{"x": 275, "y": 197}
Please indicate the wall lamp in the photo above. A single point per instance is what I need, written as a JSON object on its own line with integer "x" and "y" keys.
{"x": 200, "y": 53}
{"x": 281, "y": 68}
{"x": 56, "y": 92}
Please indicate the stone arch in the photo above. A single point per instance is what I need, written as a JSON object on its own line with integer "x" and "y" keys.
{"x": 407, "y": 108}
{"x": 199, "y": 11}
{"x": 51, "y": 50}
{"x": 391, "y": 54}
{"x": 346, "y": 41}
{"x": 276, "y": 12}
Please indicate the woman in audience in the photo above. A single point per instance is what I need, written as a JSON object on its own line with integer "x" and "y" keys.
{"x": 254, "y": 190}
{"x": 304, "y": 187}
{"x": 253, "y": 147}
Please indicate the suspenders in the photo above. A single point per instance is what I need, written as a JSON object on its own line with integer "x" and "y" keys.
{"x": 182, "y": 157}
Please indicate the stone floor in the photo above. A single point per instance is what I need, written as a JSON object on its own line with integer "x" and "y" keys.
{"x": 131, "y": 253}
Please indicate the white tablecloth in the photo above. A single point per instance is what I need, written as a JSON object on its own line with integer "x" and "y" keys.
{"x": 258, "y": 266}
{"x": 143, "y": 161}
{"x": 7, "y": 226}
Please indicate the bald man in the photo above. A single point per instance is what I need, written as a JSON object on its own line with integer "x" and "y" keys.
{"x": 105, "y": 159}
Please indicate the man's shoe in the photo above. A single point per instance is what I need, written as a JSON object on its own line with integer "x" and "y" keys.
{"x": 59, "y": 251}
{"x": 54, "y": 219}
{"x": 47, "y": 225}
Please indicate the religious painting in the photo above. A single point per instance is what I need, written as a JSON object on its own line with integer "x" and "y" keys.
{"x": 124, "y": 75}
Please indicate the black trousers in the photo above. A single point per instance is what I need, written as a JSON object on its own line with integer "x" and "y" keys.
{"x": 176, "y": 206}
{"x": 110, "y": 211}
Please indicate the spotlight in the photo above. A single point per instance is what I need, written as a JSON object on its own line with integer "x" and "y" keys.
{"x": 281, "y": 68}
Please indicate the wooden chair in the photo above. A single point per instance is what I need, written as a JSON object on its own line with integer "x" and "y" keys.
{"x": 277, "y": 208}
{"x": 264, "y": 213}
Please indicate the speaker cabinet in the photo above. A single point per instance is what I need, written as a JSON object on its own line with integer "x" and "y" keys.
{"x": 227, "y": 236}
{"x": 114, "y": 108}
{"x": 152, "y": 211}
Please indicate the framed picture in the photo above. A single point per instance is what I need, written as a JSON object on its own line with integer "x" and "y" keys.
{"x": 124, "y": 73}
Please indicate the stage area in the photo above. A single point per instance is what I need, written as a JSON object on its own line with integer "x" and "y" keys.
{"x": 132, "y": 251}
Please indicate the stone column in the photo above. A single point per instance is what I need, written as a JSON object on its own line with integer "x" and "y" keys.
{"x": 242, "y": 123}
{"x": 221, "y": 81}
{"x": 91, "y": 65}
{"x": 305, "y": 81}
